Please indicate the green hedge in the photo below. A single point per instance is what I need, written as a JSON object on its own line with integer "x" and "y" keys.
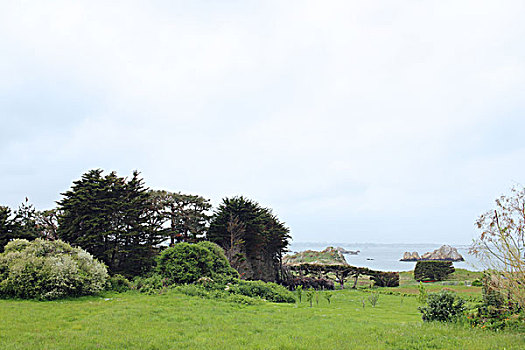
{"x": 433, "y": 270}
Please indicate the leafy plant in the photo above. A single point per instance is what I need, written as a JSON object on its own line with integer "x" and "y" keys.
{"x": 118, "y": 283}
{"x": 444, "y": 306}
{"x": 310, "y": 295}
{"x": 423, "y": 294}
{"x": 49, "y": 270}
{"x": 186, "y": 263}
{"x": 328, "y": 296}
{"x": 432, "y": 270}
{"x": 266, "y": 290}
{"x": 299, "y": 291}
{"x": 373, "y": 298}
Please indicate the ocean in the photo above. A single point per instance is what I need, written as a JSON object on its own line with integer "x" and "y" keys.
{"x": 385, "y": 257}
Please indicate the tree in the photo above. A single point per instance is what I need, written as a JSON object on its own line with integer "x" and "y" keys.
{"x": 264, "y": 237}
{"x": 501, "y": 246}
{"x": 22, "y": 223}
{"x": 47, "y": 224}
{"x": 109, "y": 217}
{"x": 6, "y": 226}
{"x": 185, "y": 214}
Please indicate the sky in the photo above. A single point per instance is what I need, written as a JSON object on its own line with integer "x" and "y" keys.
{"x": 355, "y": 121}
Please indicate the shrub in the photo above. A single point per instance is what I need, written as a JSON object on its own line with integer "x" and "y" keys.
{"x": 309, "y": 282}
{"x": 433, "y": 270}
{"x": 477, "y": 283}
{"x": 328, "y": 296}
{"x": 49, "y": 270}
{"x": 118, "y": 283}
{"x": 266, "y": 290}
{"x": 444, "y": 306}
{"x": 149, "y": 285}
{"x": 373, "y": 299}
{"x": 220, "y": 265}
{"x": 310, "y": 295}
{"x": 385, "y": 279}
{"x": 186, "y": 263}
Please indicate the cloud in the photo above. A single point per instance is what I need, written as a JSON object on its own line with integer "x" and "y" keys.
{"x": 382, "y": 121}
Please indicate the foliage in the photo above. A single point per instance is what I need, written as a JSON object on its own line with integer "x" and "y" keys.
{"x": 261, "y": 238}
{"x": 373, "y": 299}
{"x": 48, "y": 270}
{"x": 18, "y": 225}
{"x": 186, "y": 215}
{"x": 328, "y": 296}
{"x": 108, "y": 216}
{"x": 220, "y": 266}
{"x": 196, "y": 290}
{"x": 118, "y": 283}
{"x": 501, "y": 245}
{"x": 185, "y": 263}
{"x": 310, "y": 295}
{"x": 422, "y": 295}
{"x": 149, "y": 285}
{"x": 308, "y": 282}
{"x": 444, "y": 306}
{"x": 385, "y": 279}
{"x": 6, "y": 226}
{"x": 265, "y": 290}
{"x": 299, "y": 291}
{"x": 432, "y": 270}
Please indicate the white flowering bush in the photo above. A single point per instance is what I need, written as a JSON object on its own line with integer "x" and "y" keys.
{"x": 49, "y": 270}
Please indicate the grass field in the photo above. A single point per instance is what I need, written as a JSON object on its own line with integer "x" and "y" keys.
{"x": 175, "y": 321}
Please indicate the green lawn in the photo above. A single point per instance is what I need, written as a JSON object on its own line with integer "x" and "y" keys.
{"x": 176, "y": 321}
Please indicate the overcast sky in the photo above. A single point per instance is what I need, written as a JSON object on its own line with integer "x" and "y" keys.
{"x": 356, "y": 121}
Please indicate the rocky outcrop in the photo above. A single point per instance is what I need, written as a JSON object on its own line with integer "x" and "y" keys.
{"x": 407, "y": 256}
{"x": 329, "y": 256}
{"x": 350, "y": 252}
{"x": 444, "y": 253}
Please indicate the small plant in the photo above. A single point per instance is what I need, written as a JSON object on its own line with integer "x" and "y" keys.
{"x": 423, "y": 294}
{"x": 118, "y": 283}
{"x": 363, "y": 302}
{"x": 373, "y": 298}
{"x": 299, "y": 291}
{"x": 328, "y": 296}
{"x": 444, "y": 306}
{"x": 316, "y": 298}
{"x": 310, "y": 295}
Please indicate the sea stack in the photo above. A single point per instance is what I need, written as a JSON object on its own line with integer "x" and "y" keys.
{"x": 407, "y": 256}
{"x": 445, "y": 252}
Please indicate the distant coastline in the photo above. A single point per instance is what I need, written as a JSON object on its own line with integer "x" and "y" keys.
{"x": 386, "y": 255}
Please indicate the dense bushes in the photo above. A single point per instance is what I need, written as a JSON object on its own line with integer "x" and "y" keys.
{"x": 186, "y": 263}
{"x": 432, "y": 270}
{"x": 309, "y": 282}
{"x": 48, "y": 270}
{"x": 265, "y": 290}
{"x": 444, "y": 306}
{"x": 385, "y": 279}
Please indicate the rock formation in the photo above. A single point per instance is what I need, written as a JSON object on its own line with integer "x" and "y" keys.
{"x": 407, "y": 256}
{"x": 350, "y": 252}
{"x": 445, "y": 253}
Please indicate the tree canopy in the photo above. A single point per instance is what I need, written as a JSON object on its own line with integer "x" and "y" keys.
{"x": 108, "y": 216}
{"x": 260, "y": 237}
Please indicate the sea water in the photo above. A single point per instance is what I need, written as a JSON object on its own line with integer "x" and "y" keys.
{"x": 385, "y": 257}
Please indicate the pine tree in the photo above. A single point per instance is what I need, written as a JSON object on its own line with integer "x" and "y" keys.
{"x": 262, "y": 240}
{"x": 108, "y": 216}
